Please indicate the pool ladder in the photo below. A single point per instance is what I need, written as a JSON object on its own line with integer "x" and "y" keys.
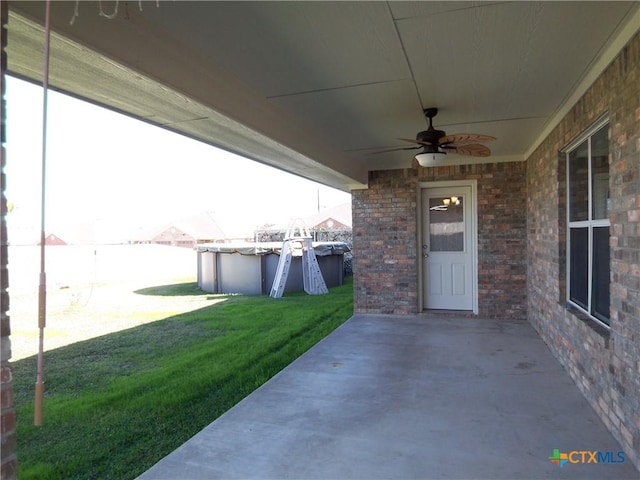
{"x": 312, "y": 279}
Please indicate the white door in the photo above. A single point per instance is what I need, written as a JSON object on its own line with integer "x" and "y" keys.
{"x": 447, "y": 248}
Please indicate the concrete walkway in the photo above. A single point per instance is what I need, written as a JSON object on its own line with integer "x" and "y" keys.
{"x": 400, "y": 397}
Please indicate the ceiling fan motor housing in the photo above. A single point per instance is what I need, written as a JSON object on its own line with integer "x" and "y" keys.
{"x": 430, "y": 136}
{"x": 432, "y": 149}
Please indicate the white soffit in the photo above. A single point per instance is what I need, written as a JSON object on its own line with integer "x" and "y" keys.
{"x": 315, "y": 87}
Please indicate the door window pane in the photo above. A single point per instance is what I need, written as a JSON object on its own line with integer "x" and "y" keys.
{"x": 579, "y": 183}
{"x": 446, "y": 224}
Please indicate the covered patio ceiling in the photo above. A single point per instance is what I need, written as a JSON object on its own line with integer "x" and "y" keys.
{"x": 314, "y": 88}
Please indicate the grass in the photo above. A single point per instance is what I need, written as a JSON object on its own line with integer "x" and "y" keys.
{"x": 117, "y": 404}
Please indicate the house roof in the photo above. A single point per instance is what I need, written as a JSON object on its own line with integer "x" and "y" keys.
{"x": 52, "y": 239}
{"x": 314, "y": 88}
{"x": 340, "y": 213}
{"x": 200, "y": 226}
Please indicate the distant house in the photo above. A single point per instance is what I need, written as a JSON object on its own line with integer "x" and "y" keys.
{"x": 333, "y": 218}
{"x": 187, "y": 232}
{"x": 52, "y": 239}
{"x": 174, "y": 236}
{"x": 328, "y": 225}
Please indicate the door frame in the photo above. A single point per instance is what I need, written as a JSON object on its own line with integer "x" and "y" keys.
{"x": 422, "y": 186}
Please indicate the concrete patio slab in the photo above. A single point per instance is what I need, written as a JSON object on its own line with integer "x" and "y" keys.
{"x": 399, "y": 397}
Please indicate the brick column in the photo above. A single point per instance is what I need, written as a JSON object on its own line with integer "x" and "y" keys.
{"x": 9, "y": 459}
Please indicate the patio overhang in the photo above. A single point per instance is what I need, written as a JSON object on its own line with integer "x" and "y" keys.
{"x": 315, "y": 88}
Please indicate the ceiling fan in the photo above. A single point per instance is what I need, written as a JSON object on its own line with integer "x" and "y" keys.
{"x": 435, "y": 144}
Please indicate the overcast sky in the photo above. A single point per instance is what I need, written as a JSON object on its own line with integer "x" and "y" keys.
{"x": 122, "y": 175}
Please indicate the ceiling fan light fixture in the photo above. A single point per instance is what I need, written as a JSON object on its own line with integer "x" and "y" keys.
{"x": 431, "y": 159}
{"x": 436, "y": 144}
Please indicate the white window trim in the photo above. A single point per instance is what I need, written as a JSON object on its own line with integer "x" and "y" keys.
{"x": 589, "y": 224}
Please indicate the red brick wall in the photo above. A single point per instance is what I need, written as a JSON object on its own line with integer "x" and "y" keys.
{"x": 604, "y": 363}
{"x": 8, "y": 419}
{"x": 385, "y": 238}
{"x": 384, "y": 244}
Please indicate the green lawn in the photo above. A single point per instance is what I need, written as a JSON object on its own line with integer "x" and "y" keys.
{"x": 117, "y": 404}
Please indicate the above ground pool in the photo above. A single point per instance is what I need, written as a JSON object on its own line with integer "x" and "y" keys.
{"x": 249, "y": 268}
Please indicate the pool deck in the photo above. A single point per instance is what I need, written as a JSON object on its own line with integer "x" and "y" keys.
{"x": 400, "y": 397}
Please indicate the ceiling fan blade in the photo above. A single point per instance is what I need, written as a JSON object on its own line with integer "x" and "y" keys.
{"x": 411, "y": 140}
{"x": 472, "y": 149}
{"x": 395, "y": 149}
{"x": 464, "y": 139}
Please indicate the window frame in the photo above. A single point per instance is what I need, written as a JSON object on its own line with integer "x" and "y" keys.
{"x": 590, "y": 224}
